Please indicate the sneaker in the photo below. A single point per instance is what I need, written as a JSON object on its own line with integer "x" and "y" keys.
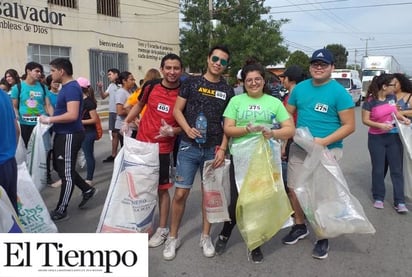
{"x": 57, "y": 216}
{"x": 109, "y": 159}
{"x": 207, "y": 245}
{"x": 171, "y": 245}
{"x": 295, "y": 234}
{"x": 159, "y": 237}
{"x": 255, "y": 256}
{"x": 56, "y": 184}
{"x": 401, "y": 208}
{"x": 220, "y": 245}
{"x": 378, "y": 204}
{"x": 321, "y": 249}
{"x": 87, "y": 196}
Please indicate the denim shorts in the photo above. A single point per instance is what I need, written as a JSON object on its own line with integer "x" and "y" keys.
{"x": 190, "y": 158}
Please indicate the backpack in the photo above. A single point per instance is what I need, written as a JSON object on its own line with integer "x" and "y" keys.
{"x": 99, "y": 129}
{"x": 148, "y": 87}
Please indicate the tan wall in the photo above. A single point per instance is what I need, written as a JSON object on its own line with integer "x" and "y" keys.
{"x": 142, "y": 27}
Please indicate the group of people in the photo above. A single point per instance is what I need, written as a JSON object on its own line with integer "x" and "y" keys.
{"x": 164, "y": 108}
{"x": 70, "y": 106}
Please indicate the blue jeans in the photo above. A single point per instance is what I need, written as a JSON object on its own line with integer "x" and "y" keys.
{"x": 88, "y": 149}
{"x": 386, "y": 147}
{"x": 190, "y": 158}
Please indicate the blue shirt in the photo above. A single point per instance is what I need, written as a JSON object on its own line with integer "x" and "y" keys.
{"x": 70, "y": 91}
{"x": 318, "y": 107}
{"x": 8, "y": 143}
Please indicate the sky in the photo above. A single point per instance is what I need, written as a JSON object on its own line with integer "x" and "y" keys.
{"x": 377, "y": 27}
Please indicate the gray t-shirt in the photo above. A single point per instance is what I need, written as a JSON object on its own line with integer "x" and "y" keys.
{"x": 121, "y": 97}
{"x": 112, "y": 89}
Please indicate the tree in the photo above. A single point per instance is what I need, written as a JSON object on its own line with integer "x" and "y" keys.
{"x": 241, "y": 28}
{"x": 299, "y": 58}
{"x": 340, "y": 54}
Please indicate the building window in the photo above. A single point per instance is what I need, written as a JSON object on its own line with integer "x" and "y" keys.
{"x": 44, "y": 54}
{"x": 108, "y": 7}
{"x": 64, "y": 3}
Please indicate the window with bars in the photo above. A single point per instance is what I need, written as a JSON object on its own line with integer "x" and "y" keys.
{"x": 64, "y": 3}
{"x": 44, "y": 54}
{"x": 108, "y": 7}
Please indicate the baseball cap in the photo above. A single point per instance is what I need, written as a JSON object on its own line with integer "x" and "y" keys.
{"x": 294, "y": 73}
{"x": 83, "y": 82}
{"x": 323, "y": 55}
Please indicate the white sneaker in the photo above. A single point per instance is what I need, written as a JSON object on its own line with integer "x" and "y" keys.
{"x": 169, "y": 253}
{"x": 159, "y": 237}
{"x": 207, "y": 245}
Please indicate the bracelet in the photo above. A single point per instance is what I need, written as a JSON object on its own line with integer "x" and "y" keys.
{"x": 220, "y": 148}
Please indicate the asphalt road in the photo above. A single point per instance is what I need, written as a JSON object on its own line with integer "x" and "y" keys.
{"x": 386, "y": 253}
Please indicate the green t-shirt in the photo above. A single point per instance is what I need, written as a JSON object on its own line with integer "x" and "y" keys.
{"x": 265, "y": 110}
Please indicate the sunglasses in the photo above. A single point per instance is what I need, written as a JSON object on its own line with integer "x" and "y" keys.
{"x": 215, "y": 59}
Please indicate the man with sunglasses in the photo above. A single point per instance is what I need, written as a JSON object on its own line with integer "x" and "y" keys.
{"x": 210, "y": 95}
{"x": 325, "y": 107}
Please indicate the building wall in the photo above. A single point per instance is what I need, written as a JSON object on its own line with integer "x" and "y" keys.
{"x": 144, "y": 30}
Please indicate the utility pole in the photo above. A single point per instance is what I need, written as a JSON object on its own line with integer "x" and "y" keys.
{"x": 211, "y": 22}
{"x": 366, "y": 48}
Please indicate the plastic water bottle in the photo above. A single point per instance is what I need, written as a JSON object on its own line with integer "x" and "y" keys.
{"x": 275, "y": 123}
{"x": 201, "y": 126}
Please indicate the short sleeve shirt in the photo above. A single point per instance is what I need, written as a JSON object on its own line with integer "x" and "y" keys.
{"x": 121, "y": 98}
{"x": 69, "y": 92}
{"x": 160, "y": 104}
{"x": 258, "y": 111}
{"x": 381, "y": 111}
{"x": 31, "y": 102}
{"x": 209, "y": 98}
{"x": 318, "y": 107}
{"x": 88, "y": 105}
{"x": 112, "y": 89}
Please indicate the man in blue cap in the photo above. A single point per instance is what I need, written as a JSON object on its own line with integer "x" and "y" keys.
{"x": 327, "y": 110}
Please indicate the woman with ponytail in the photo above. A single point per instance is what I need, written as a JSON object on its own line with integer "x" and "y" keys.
{"x": 384, "y": 143}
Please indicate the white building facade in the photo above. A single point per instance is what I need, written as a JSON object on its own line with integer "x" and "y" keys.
{"x": 95, "y": 35}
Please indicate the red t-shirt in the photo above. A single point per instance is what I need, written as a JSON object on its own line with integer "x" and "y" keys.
{"x": 160, "y": 103}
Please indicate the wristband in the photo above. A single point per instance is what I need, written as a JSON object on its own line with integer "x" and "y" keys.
{"x": 247, "y": 129}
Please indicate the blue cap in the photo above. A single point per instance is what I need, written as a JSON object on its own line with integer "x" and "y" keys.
{"x": 323, "y": 55}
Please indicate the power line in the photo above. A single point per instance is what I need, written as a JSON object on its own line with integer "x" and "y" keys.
{"x": 343, "y": 8}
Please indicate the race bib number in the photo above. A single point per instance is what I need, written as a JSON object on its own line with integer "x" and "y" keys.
{"x": 163, "y": 108}
{"x": 254, "y": 108}
{"x": 323, "y": 108}
{"x": 220, "y": 95}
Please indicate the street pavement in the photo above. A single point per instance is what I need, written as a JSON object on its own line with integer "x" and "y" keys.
{"x": 386, "y": 253}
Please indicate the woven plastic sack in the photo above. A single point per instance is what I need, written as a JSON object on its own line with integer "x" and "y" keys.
{"x": 9, "y": 222}
{"x": 216, "y": 191}
{"x": 37, "y": 154}
{"x": 132, "y": 197}
{"x": 33, "y": 212}
{"x": 324, "y": 195}
{"x": 263, "y": 206}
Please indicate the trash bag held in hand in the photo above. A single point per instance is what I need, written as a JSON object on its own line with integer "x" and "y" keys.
{"x": 324, "y": 195}
{"x": 216, "y": 191}
{"x": 132, "y": 198}
{"x": 263, "y": 206}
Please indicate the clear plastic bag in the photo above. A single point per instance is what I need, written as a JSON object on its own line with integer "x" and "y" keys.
{"x": 263, "y": 207}
{"x": 324, "y": 195}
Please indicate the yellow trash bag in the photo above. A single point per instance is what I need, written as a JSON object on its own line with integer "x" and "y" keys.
{"x": 263, "y": 206}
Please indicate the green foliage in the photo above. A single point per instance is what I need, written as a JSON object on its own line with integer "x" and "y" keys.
{"x": 340, "y": 54}
{"x": 299, "y": 58}
{"x": 241, "y": 28}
